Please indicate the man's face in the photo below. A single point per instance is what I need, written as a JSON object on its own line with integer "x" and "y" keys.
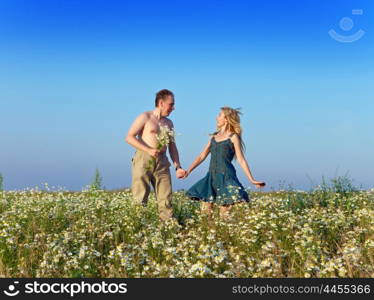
{"x": 167, "y": 106}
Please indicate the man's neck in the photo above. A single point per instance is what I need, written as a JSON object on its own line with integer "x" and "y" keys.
{"x": 157, "y": 113}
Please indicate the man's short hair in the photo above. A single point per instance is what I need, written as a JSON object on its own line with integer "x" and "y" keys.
{"x": 163, "y": 94}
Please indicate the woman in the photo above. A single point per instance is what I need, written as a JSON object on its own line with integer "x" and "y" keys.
{"x": 221, "y": 186}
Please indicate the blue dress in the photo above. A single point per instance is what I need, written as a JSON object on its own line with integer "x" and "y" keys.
{"x": 220, "y": 185}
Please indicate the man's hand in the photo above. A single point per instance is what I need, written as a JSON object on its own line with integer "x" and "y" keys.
{"x": 153, "y": 152}
{"x": 180, "y": 173}
{"x": 186, "y": 173}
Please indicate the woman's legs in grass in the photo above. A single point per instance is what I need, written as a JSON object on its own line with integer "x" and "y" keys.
{"x": 224, "y": 211}
{"x": 207, "y": 208}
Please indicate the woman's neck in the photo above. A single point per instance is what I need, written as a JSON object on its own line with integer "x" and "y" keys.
{"x": 223, "y": 131}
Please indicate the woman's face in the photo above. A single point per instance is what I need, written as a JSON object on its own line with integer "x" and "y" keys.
{"x": 221, "y": 119}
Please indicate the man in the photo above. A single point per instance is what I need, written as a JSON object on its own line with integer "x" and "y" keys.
{"x": 142, "y": 136}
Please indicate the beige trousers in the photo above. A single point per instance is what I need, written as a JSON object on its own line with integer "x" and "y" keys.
{"x": 158, "y": 176}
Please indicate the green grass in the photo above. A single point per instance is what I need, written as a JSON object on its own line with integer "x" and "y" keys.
{"x": 327, "y": 232}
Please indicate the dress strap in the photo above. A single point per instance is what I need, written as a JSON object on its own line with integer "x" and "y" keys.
{"x": 213, "y": 135}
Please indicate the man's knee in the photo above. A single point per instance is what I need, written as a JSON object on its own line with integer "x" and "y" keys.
{"x": 165, "y": 212}
{"x": 140, "y": 191}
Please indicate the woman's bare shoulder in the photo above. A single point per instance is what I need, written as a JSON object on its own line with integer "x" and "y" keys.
{"x": 234, "y": 136}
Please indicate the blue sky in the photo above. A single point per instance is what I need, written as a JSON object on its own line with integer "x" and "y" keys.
{"x": 75, "y": 74}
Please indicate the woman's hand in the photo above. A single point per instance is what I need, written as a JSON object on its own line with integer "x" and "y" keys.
{"x": 258, "y": 184}
{"x": 186, "y": 174}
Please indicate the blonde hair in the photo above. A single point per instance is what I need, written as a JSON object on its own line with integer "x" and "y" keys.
{"x": 233, "y": 122}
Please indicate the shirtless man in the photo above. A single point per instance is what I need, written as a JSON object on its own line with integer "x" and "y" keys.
{"x": 142, "y": 136}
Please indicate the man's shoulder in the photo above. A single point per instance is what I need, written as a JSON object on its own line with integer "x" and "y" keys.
{"x": 168, "y": 121}
{"x": 145, "y": 115}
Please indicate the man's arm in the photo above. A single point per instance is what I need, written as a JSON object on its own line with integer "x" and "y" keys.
{"x": 173, "y": 151}
{"x": 174, "y": 155}
{"x": 135, "y": 130}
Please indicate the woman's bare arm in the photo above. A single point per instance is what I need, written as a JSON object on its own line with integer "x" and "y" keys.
{"x": 243, "y": 162}
{"x": 200, "y": 158}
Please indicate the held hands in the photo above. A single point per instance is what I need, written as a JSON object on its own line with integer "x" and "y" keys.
{"x": 180, "y": 173}
{"x": 186, "y": 174}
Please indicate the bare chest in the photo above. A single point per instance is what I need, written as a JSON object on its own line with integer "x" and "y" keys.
{"x": 152, "y": 127}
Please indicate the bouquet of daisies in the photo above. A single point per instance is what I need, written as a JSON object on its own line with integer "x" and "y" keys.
{"x": 164, "y": 137}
